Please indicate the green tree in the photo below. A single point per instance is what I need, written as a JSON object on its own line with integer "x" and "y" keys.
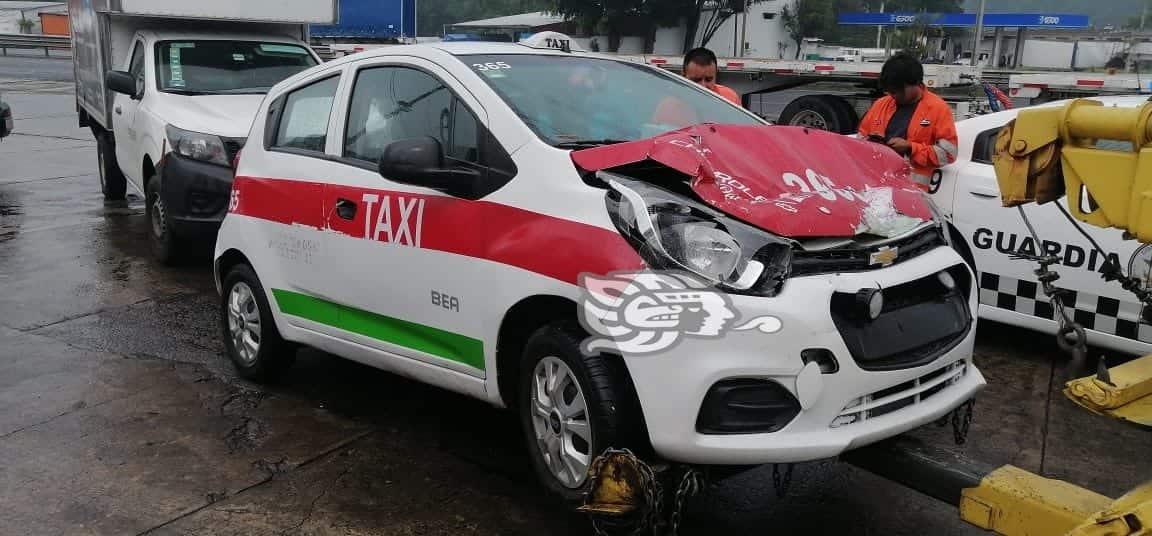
{"x": 25, "y": 24}
{"x": 807, "y": 18}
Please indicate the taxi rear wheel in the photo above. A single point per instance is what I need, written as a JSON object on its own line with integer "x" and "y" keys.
{"x": 570, "y": 408}
{"x": 253, "y": 343}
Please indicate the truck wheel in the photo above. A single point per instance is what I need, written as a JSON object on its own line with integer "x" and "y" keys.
{"x": 250, "y": 336}
{"x": 814, "y": 111}
{"x": 849, "y": 120}
{"x": 167, "y": 247}
{"x": 571, "y": 409}
{"x": 113, "y": 184}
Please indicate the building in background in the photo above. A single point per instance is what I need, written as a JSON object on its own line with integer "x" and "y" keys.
{"x": 54, "y": 21}
{"x": 511, "y": 28}
{"x": 12, "y": 13}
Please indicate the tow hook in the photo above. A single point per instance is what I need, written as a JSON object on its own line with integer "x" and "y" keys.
{"x": 626, "y": 495}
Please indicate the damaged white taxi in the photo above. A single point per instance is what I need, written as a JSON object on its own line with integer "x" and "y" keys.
{"x": 620, "y": 256}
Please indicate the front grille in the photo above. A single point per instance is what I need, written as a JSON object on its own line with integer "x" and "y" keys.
{"x": 920, "y": 321}
{"x": 900, "y": 396}
{"x": 232, "y": 146}
{"x": 858, "y": 257}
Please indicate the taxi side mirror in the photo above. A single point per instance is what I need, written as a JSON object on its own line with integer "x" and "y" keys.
{"x": 421, "y": 162}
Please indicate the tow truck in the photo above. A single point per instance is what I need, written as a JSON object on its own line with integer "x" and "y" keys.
{"x": 1044, "y": 155}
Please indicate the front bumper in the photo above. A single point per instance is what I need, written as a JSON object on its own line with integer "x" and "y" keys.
{"x": 672, "y": 385}
{"x": 195, "y": 195}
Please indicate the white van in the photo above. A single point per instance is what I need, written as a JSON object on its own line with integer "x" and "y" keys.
{"x": 169, "y": 89}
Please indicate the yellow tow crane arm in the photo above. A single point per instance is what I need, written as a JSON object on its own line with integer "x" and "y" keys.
{"x": 1048, "y": 152}
{"x": 1041, "y": 156}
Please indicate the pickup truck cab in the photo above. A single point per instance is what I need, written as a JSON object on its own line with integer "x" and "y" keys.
{"x": 620, "y": 255}
{"x": 182, "y": 108}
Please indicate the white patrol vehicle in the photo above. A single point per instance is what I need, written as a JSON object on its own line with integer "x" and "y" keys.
{"x": 440, "y": 210}
{"x": 988, "y": 233}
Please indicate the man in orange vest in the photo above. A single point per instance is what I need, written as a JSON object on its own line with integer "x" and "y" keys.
{"x": 700, "y": 66}
{"x": 913, "y": 121}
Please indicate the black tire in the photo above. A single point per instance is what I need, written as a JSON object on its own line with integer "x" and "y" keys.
{"x": 167, "y": 247}
{"x": 849, "y": 120}
{"x": 274, "y": 354}
{"x": 113, "y": 184}
{"x": 609, "y": 413}
{"x": 814, "y": 111}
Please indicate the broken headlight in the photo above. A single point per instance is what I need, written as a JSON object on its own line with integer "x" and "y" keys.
{"x": 674, "y": 232}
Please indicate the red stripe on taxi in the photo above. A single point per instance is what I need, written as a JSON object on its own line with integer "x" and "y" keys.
{"x": 554, "y": 247}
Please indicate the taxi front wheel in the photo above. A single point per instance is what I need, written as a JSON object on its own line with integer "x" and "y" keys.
{"x": 250, "y": 335}
{"x": 570, "y": 408}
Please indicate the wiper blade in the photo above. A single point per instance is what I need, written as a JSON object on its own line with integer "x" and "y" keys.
{"x": 189, "y": 92}
{"x": 578, "y": 144}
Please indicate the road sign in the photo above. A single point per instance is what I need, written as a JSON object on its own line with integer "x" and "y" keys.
{"x": 1018, "y": 20}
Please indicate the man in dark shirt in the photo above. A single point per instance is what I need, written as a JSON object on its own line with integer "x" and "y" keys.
{"x": 913, "y": 121}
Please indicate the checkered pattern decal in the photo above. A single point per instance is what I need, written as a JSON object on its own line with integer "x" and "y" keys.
{"x": 1106, "y": 315}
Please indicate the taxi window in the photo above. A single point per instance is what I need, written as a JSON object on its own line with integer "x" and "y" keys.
{"x": 566, "y": 100}
{"x": 395, "y": 103}
{"x": 303, "y": 124}
{"x": 984, "y": 148}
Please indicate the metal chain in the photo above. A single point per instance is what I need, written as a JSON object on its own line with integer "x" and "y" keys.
{"x": 962, "y": 421}
{"x": 1070, "y": 336}
{"x": 781, "y": 483}
{"x": 649, "y": 485}
{"x": 690, "y": 485}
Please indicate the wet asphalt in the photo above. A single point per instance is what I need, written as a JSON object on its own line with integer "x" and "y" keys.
{"x": 119, "y": 413}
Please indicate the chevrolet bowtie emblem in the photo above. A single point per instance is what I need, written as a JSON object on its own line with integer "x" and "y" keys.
{"x": 884, "y": 256}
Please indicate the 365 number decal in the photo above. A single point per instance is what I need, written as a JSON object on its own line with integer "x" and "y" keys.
{"x": 494, "y": 66}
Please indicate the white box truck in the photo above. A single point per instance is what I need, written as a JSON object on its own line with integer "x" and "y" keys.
{"x": 170, "y": 89}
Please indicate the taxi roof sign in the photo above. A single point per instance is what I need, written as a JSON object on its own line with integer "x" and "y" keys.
{"x": 552, "y": 40}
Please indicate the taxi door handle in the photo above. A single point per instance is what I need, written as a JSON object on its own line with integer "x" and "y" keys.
{"x": 119, "y": 110}
{"x": 983, "y": 192}
{"x": 345, "y": 209}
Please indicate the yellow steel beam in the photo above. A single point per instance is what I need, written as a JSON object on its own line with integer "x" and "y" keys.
{"x": 1129, "y": 398}
{"x": 1013, "y": 502}
{"x": 1130, "y": 515}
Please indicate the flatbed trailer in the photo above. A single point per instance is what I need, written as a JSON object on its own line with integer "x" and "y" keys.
{"x": 1039, "y": 87}
{"x": 841, "y": 91}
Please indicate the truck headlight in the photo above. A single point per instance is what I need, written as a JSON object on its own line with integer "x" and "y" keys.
{"x": 198, "y": 146}
{"x": 674, "y": 232}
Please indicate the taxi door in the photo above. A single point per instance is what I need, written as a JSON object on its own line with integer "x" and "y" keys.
{"x": 401, "y": 284}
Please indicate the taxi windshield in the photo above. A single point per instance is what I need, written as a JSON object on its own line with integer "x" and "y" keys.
{"x": 575, "y": 101}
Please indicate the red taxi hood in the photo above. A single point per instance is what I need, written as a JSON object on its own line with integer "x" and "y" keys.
{"x": 791, "y": 181}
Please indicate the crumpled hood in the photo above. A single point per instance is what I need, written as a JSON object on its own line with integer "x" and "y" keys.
{"x": 791, "y": 181}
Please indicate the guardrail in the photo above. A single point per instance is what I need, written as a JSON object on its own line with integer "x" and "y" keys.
{"x": 46, "y": 42}
{"x": 56, "y": 42}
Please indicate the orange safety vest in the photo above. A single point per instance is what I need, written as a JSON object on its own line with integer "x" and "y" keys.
{"x": 931, "y": 131}
{"x": 729, "y": 93}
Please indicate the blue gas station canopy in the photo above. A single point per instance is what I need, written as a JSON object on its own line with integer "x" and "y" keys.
{"x": 991, "y": 20}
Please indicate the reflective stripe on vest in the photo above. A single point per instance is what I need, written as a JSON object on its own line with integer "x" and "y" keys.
{"x": 948, "y": 147}
{"x": 941, "y": 155}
